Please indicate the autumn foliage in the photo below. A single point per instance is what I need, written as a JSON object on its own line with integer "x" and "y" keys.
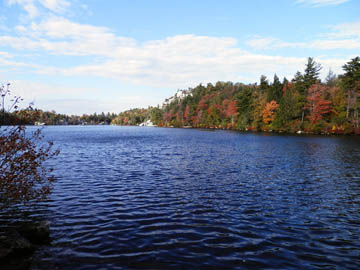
{"x": 24, "y": 177}
{"x": 316, "y": 104}
{"x": 303, "y": 103}
{"x": 230, "y": 107}
{"x": 187, "y": 113}
{"x": 269, "y": 111}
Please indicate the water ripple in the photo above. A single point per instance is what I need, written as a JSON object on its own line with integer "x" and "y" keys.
{"x": 147, "y": 198}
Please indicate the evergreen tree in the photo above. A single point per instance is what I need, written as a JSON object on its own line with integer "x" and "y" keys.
{"x": 275, "y": 90}
{"x": 311, "y": 73}
{"x": 289, "y": 108}
{"x": 298, "y": 83}
{"x": 351, "y": 83}
{"x": 264, "y": 84}
{"x": 245, "y": 102}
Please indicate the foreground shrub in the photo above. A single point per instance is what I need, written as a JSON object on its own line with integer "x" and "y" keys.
{"x": 24, "y": 178}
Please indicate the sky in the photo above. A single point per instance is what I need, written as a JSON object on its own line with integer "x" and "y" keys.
{"x": 86, "y": 56}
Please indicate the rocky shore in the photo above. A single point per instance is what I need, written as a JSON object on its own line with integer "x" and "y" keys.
{"x": 17, "y": 245}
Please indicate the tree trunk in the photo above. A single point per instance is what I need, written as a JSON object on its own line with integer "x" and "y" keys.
{"x": 302, "y": 117}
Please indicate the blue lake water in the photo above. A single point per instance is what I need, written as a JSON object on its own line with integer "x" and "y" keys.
{"x": 156, "y": 198}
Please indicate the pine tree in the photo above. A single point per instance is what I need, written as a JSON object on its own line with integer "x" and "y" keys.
{"x": 275, "y": 90}
{"x": 351, "y": 83}
{"x": 311, "y": 73}
{"x": 264, "y": 84}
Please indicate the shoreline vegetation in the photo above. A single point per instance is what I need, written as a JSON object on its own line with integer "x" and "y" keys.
{"x": 303, "y": 104}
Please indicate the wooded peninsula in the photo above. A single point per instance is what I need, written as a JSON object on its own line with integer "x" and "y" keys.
{"x": 302, "y": 104}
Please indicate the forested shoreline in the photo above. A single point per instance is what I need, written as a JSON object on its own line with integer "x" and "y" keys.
{"x": 301, "y": 104}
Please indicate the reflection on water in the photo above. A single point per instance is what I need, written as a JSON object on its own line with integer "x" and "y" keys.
{"x": 152, "y": 198}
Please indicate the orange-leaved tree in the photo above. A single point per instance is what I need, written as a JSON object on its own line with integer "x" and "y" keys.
{"x": 269, "y": 112}
{"x": 24, "y": 178}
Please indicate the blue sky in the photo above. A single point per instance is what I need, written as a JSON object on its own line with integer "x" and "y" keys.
{"x": 77, "y": 56}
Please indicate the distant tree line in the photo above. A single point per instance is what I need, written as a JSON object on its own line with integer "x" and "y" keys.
{"x": 304, "y": 103}
{"x": 31, "y": 116}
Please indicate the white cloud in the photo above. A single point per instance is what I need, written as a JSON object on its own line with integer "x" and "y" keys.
{"x": 82, "y": 39}
{"x": 54, "y": 27}
{"x": 273, "y": 43}
{"x": 57, "y": 6}
{"x": 28, "y": 5}
{"x": 32, "y": 7}
{"x": 176, "y": 61}
{"x": 347, "y": 44}
{"x": 343, "y": 36}
{"x": 78, "y": 39}
{"x": 263, "y": 43}
{"x": 5, "y": 54}
{"x": 346, "y": 30}
{"x": 169, "y": 61}
{"x": 186, "y": 70}
{"x": 14, "y": 64}
{"x": 320, "y": 3}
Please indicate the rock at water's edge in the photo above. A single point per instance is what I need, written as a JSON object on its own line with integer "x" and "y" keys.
{"x": 15, "y": 251}
{"x": 37, "y": 234}
{"x": 17, "y": 246}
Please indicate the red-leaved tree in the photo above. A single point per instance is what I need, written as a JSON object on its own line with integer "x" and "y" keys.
{"x": 230, "y": 109}
{"x": 316, "y": 103}
{"x": 187, "y": 113}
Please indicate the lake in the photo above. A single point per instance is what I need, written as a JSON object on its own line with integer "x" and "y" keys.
{"x": 157, "y": 198}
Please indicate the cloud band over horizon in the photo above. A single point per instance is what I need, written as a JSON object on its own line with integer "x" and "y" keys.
{"x": 53, "y": 45}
